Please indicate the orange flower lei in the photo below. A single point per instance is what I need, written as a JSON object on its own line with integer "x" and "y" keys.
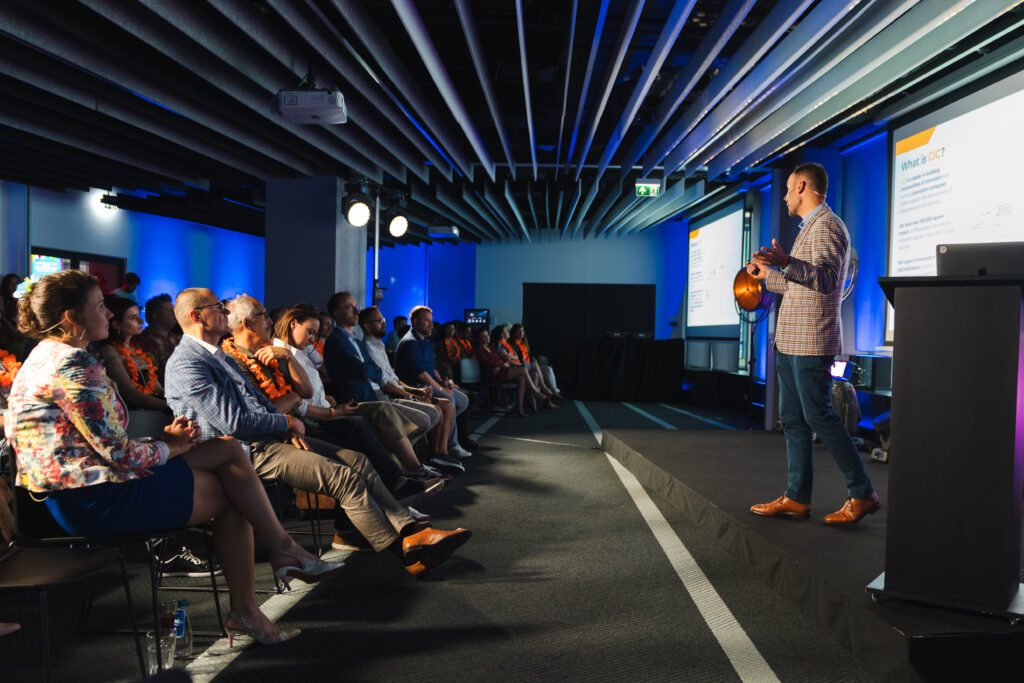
{"x": 133, "y": 369}
{"x": 9, "y": 367}
{"x": 271, "y": 388}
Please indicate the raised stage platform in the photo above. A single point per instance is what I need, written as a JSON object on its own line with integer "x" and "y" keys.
{"x": 715, "y": 476}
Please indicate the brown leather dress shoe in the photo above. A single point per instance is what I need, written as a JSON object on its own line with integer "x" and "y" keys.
{"x": 854, "y": 509}
{"x": 426, "y": 549}
{"x": 782, "y": 507}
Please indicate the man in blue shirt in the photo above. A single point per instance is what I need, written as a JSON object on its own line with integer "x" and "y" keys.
{"x": 414, "y": 363}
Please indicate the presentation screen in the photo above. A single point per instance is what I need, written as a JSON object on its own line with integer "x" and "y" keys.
{"x": 955, "y": 179}
{"x": 715, "y": 256}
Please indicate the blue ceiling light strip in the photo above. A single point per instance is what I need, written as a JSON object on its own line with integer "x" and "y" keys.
{"x": 565, "y": 90}
{"x": 602, "y": 15}
{"x": 865, "y": 141}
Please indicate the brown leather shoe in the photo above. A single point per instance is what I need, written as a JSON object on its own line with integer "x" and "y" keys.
{"x": 426, "y": 549}
{"x": 783, "y": 507}
{"x": 854, "y": 509}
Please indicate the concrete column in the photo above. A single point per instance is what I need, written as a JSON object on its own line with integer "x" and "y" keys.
{"x": 311, "y": 250}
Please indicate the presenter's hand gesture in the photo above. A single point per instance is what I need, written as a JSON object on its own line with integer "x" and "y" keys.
{"x": 774, "y": 255}
{"x": 756, "y": 272}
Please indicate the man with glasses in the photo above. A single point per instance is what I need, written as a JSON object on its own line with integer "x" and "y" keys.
{"x": 357, "y": 377}
{"x": 372, "y": 323}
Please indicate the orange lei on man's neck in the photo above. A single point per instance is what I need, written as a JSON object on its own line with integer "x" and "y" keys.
{"x": 451, "y": 346}
{"x": 133, "y": 370}
{"x": 467, "y": 348}
{"x": 9, "y": 367}
{"x": 271, "y": 388}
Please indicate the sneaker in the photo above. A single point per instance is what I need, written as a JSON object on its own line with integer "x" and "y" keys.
{"x": 447, "y": 464}
{"x": 351, "y": 540}
{"x": 411, "y": 491}
{"x": 468, "y": 443}
{"x": 459, "y": 451}
{"x": 419, "y": 516}
{"x": 185, "y": 563}
{"x": 426, "y": 472}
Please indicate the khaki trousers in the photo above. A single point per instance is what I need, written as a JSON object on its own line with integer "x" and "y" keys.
{"x": 344, "y": 475}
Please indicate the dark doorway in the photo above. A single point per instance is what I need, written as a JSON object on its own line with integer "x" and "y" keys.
{"x": 560, "y": 317}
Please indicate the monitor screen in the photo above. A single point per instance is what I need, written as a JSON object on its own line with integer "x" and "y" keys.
{"x": 714, "y": 257}
{"x": 954, "y": 179}
{"x": 478, "y": 316}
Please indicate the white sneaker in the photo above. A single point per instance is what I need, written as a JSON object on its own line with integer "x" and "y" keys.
{"x": 418, "y": 516}
{"x": 459, "y": 452}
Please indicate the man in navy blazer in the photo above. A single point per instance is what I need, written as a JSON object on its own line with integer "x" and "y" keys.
{"x": 202, "y": 384}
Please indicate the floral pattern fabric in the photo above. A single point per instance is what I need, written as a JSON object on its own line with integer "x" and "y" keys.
{"x": 67, "y": 424}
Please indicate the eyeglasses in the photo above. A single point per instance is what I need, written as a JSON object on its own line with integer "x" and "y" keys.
{"x": 261, "y": 314}
{"x": 374, "y": 322}
{"x": 219, "y": 306}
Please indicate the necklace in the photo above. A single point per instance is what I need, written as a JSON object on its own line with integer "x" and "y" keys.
{"x": 271, "y": 388}
{"x": 9, "y": 367}
{"x": 129, "y": 355}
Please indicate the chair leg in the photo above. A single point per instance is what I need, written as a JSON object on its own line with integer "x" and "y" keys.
{"x": 131, "y": 613}
{"x": 153, "y": 578}
{"x": 44, "y": 614}
{"x": 213, "y": 581}
{"x": 83, "y": 622}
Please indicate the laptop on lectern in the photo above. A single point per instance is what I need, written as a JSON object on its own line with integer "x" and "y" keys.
{"x": 993, "y": 258}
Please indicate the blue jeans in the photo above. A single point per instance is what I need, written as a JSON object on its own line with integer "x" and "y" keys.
{"x": 805, "y": 407}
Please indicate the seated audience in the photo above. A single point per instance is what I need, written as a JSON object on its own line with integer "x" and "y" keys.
{"x": 295, "y": 331}
{"x": 158, "y": 339}
{"x": 465, "y": 338}
{"x": 497, "y": 369}
{"x": 129, "y": 283}
{"x": 399, "y": 326}
{"x": 414, "y": 365}
{"x": 438, "y": 411}
{"x": 500, "y": 343}
{"x": 132, "y": 371}
{"x": 543, "y": 375}
{"x": 68, "y": 430}
{"x": 203, "y": 384}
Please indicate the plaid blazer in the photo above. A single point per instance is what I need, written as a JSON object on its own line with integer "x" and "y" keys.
{"x": 199, "y": 387}
{"x": 809, "y": 322}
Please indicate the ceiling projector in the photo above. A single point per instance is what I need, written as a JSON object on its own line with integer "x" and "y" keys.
{"x": 312, "y": 106}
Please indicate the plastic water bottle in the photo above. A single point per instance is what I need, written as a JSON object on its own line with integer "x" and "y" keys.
{"x": 182, "y": 632}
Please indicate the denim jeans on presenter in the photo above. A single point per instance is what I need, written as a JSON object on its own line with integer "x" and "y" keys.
{"x": 805, "y": 408}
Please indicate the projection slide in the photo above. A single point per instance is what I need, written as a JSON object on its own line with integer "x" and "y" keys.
{"x": 714, "y": 258}
{"x": 955, "y": 179}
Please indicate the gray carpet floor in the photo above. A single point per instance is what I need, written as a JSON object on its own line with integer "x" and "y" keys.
{"x": 562, "y": 580}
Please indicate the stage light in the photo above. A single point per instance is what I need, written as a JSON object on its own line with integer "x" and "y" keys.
{"x": 398, "y": 225}
{"x": 357, "y": 212}
{"x": 750, "y": 293}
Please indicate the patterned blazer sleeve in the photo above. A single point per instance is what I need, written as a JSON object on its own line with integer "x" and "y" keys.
{"x": 826, "y": 244}
{"x": 82, "y": 391}
{"x": 198, "y": 390}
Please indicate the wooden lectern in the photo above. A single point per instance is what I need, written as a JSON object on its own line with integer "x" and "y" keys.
{"x": 956, "y": 472}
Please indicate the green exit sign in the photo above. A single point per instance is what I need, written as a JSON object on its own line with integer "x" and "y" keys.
{"x": 648, "y": 188}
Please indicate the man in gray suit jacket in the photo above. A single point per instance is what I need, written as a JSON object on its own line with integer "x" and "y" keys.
{"x": 808, "y": 335}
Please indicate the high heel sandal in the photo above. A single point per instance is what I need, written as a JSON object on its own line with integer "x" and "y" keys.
{"x": 309, "y": 570}
{"x": 243, "y": 627}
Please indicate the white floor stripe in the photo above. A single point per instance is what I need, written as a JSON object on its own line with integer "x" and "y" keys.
{"x": 591, "y": 422}
{"x": 696, "y": 416}
{"x": 652, "y": 418}
{"x": 482, "y": 429}
{"x": 741, "y": 651}
{"x": 549, "y": 443}
{"x": 218, "y": 656}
